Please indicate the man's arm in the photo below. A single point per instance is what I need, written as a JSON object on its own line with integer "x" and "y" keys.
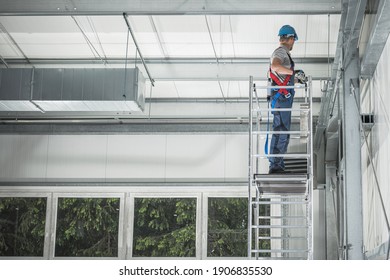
{"x": 277, "y": 67}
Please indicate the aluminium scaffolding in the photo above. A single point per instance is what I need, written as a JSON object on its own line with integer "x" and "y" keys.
{"x": 280, "y": 205}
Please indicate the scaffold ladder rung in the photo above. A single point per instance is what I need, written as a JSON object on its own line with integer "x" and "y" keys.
{"x": 278, "y": 226}
{"x": 306, "y": 133}
{"x": 279, "y": 202}
{"x": 281, "y": 238}
{"x": 282, "y": 155}
{"x": 280, "y": 251}
{"x": 280, "y": 258}
{"x": 280, "y": 110}
{"x": 281, "y": 217}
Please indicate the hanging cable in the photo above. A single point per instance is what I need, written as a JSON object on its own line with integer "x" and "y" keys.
{"x": 329, "y": 47}
{"x": 32, "y": 91}
{"x": 150, "y": 101}
{"x": 97, "y": 38}
{"x": 89, "y": 43}
{"x": 126, "y": 54}
{"x": 231, "y": 33}
{"x": 13, "y": 42}
{"x": 211, "y": 39}
{"x": 216, "y": 57}
{"x": 4, "y": 62}
{"x": 138, "y": 49}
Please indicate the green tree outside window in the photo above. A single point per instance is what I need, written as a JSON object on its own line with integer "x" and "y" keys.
{"x": 87, "y": 227}
{"x": 164, "y": 227}
{"x": 22, "y": 226}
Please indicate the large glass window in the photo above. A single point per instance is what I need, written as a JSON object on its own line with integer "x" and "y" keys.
{"x": 227, "y": 227}
{"x": 164, "y": 227}
{"x": 22, "y": 226}
{"x": 87, "y": 227}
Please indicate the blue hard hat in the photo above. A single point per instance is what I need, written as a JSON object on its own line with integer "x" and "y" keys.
{"x": 288, "y": 31}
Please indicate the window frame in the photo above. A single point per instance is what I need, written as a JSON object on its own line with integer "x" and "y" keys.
{"x": 238, "y": 192}
{"x": 81, "y": 194}
{"x": 168, "y": 193}
{"x": 46, "y": 242}
{"x": 127, "y": 195}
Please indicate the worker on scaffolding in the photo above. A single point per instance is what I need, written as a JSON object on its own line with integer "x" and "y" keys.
{"x": 282, "y": 73}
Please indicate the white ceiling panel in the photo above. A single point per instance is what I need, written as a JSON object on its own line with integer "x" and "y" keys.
{"x": 36, "y": 24}
{"x": 162, "y": 89}
{"x": 239, "y": 89}
{"x": 103, "y": 24}
{"x": 322, "y": 33}
{"x": 47, "y": 37}
{"x": 184, "y": 36}
{"x": 7, "y": 49}
{"x": 231, "y": 89}
{"x": 201, "y": 89}
{"x": 146, "y": 36}
{"x": 252, "y": 49}
{"x": 319, "y": 49}
{"x": 53, "y": 45}
{"x": 265, "y": 28}
{"x": 313, "y": 34}
{"x": 257, "y": 35}
{"x": 167, "y": 36}
{"x": 221, "y": 32}
{"x": 189, "y": 49}
{"x": 198, "y": 89}
{"x": 253, "y": 29}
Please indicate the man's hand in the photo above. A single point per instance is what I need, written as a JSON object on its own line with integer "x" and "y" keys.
{"x": 300, "y": 76}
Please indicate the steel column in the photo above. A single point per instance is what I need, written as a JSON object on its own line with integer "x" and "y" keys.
{"x": 332, "y": 242}
{"x": 352, "y": 158}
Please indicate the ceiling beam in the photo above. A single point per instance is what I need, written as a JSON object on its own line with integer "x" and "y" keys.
{"x": 165, "y": 60}
{"x": 351, "y": 23}
{"x": 377, "y": 41}
{"x": 353, "y": 27}
{"x": 180, "y": 126}
{"x": 189, "y": 69}
{"x": 167, "y": 7}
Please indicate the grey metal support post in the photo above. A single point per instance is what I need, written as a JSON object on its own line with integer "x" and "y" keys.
{"x": 332, "y": 241}
{"x": 250, "y": 167}
{"x": 352, "y": 158}
{"x": 319, "y": 198}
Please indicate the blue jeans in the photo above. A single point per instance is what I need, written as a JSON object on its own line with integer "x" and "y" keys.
{"x": 279, "y": 142}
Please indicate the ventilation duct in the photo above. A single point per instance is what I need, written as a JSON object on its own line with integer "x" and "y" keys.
{"x": 76, "y": 90}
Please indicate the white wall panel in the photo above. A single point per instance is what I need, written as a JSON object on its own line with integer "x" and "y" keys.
{"x": 236, "y": 163}
{"x": 195, "y": 156}
{"x": 23, "y": 156}
{"x": 136, "y": 156}
{"x": 375, "y": 230}
{"x": 77, "y": 156}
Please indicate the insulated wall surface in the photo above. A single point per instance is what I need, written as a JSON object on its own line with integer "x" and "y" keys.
{"x": 376, "y": 100}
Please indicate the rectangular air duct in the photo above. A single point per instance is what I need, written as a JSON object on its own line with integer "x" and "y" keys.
{"x": 76, "y": 90}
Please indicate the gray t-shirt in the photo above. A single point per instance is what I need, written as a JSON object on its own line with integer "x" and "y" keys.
{"x": 281, "y": 54}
